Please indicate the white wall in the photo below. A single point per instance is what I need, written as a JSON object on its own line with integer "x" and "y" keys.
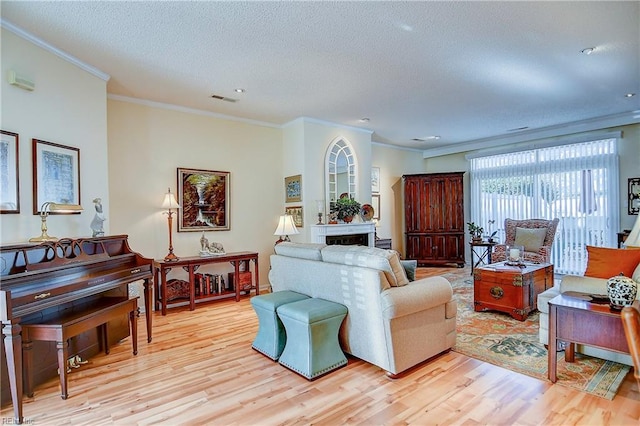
{"x": 67, "y": 107}
{"x": 147, "y": 144}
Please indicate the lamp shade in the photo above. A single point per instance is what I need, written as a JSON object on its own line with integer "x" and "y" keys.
{"x": 286, "y": 226}
{"x": 633, "y": 239}
{"x": 169, "y": 201}
{"x": 65, "y": 208}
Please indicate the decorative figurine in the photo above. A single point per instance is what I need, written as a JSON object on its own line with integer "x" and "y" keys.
{"x": 210, "y": 249}
{"x": 98, "y": 219}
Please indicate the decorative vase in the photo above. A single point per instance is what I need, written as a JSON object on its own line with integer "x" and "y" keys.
{"x": 621, "y": 291}
{"x": 347, "y": 219}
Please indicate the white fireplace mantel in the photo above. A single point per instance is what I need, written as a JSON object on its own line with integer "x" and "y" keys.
{"x": 319, "y": 233}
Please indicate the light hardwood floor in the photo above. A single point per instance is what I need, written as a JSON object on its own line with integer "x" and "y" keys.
{"x": 200, "y": 369}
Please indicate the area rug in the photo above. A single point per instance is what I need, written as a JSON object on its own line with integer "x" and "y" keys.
{"x": 499, "y": 339}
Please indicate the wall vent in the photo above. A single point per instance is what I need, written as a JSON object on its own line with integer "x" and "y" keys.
{"x": 224, "y": 98}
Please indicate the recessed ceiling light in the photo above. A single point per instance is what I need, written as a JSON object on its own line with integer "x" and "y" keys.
{"x": 364, "y": 120}
{"x": 588, "y": 50}
{"x": 629, "y": 95}
{"x": 239, "y": 90}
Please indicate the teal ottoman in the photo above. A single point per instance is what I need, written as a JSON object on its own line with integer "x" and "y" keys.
{"x": 271, "y": 337}
{"x": 312, "y": 327}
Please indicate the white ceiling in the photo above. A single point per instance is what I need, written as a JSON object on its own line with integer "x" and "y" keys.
{"x": 465, "y": 71}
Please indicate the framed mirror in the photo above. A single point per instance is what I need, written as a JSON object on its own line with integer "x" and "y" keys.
{"x": 340, "y": 172}
{"x": 634, "y": 196}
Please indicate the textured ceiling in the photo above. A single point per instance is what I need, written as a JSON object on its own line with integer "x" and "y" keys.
{"x": 461, "y": 70}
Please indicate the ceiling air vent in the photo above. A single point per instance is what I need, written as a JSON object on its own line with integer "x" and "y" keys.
{"x": 224, "y": 98}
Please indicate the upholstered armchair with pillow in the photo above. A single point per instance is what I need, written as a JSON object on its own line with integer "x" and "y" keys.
{"x": 535, "y": 235}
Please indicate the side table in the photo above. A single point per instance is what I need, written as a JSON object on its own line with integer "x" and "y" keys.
{"x": 578, "y": 321}
{"x": 482, "y": 254}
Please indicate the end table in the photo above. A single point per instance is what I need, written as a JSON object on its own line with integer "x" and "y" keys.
{"x": 481, "y": 252}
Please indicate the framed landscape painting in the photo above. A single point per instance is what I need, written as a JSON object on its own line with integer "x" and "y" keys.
{"x": 203, "y": 196}
{"x": 56, "y": 174}
{"x": 296, "y": 213}
{"x": 9, "y": 176}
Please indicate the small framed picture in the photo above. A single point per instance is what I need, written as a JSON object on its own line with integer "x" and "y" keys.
{"x": 375, "y": 203}
{"x": 375, "y": 179}
{"x": 9, "y": 176}
{"x": 203, "y": 196}
{"x": 56, "y": 174}
{"x": 293, "y": 189}
{"x": 296, "y": 213}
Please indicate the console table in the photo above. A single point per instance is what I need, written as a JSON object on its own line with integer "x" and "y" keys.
{"x": 191, "y": 265}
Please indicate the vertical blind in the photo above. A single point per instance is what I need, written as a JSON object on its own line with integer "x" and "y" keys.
{"x": 577, "y": 183}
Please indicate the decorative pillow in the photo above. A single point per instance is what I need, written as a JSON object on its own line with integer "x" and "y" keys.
{"x": 531, "y": 238}
{"x": 387, "y": 261}
{"x": 410, "y": 268}
{"x": 603, "y": 262}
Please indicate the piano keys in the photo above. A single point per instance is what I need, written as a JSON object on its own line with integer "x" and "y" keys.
{"x": 40, "y": 279}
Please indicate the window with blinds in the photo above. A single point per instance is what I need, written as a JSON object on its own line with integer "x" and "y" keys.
{"x": 577, "y": 183}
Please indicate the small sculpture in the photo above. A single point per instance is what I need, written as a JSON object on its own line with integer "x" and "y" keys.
{"x": 98, "y": 219}
{"x": 210, "y": 249}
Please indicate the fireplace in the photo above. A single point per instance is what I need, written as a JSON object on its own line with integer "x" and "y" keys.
{"x": 348, "y": 240}
{"x": 344, "y": 234}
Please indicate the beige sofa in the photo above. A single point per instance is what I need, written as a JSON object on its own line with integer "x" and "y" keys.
{"x": 583, "y": 285}
{"x": 390, "y": 323}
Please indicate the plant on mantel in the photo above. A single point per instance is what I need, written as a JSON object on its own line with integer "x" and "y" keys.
{"x": 347, "y": 208}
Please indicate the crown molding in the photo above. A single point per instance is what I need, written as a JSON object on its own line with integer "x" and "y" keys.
{"x": 327, "y": 123}
{"x": 172, "y": 107}
{"x": 52, "y": 49}
{"x": 588, "y": 125}
{"x": 402, "y": 148}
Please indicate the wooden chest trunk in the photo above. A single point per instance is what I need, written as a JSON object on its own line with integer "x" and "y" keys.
{"x": 510, "y": 289}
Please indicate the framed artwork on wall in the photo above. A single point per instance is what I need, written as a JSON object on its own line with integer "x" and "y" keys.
{"x": 203, "y": 196}
{"x": 375, "y": 203}
{"x": 293, "y": 189}
{"x": 634, "y": 196}
{"x": 9, "y": 176}
{"x": 375, "y": 179}
{"x": 56, "y": 174}
{"x": 296, "y": 213}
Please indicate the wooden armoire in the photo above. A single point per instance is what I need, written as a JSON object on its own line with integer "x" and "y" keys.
{"x": 434, "y": 218}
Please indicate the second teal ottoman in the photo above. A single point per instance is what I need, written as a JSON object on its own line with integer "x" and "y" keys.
{"x": 271, "y": 337}
{"x": 312, "y": 327}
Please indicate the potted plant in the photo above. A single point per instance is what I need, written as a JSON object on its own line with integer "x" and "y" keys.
{"x": 347, "y": 208}
{"x": 475, "y": 231}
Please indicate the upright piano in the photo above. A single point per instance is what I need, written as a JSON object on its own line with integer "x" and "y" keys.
{"x": 45, "y": 278}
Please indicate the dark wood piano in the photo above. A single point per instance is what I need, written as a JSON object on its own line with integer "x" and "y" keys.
{"x": 46, "y": 278}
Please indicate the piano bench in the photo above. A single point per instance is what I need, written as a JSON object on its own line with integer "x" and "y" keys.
{"x": 67, "y": 325}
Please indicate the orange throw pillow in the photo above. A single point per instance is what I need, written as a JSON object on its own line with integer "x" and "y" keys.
{"x": 603, "y": 262}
